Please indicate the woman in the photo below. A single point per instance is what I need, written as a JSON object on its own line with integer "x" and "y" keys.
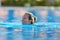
{"x": 28, "y": 18}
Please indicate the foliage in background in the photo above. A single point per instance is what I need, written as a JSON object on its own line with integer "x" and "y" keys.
{"x": 32, "y": 2}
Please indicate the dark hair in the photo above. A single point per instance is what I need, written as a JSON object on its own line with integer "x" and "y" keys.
{"x": 30, "y": 17}
{"x": 34, "y": 19}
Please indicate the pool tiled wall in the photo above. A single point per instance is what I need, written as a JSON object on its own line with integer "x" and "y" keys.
{"x": 42, "y": 14}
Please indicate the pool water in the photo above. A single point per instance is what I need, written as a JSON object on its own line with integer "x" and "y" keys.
{"x": 45, "y": 31}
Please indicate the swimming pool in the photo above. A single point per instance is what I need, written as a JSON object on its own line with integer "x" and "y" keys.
{"x": 38, "y": 31}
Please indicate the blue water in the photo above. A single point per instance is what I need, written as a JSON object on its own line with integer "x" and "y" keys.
{"x": 50, "y": 30}
{"x": 37, "y": 31}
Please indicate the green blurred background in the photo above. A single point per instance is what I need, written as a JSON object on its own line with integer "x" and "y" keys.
{"x": 30, "y": 3}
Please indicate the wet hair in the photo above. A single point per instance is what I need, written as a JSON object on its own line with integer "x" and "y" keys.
{"x": 34, "y": 19}
{"x": 30, "y": 18}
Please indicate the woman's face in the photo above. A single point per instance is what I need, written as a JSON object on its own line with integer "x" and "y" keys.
{"x": 25, "y": 19}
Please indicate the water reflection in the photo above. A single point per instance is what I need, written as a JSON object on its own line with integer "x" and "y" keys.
{"x": 30, "y": 33}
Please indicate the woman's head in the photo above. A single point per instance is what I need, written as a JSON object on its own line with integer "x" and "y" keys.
{"x": 28, "y": 19}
